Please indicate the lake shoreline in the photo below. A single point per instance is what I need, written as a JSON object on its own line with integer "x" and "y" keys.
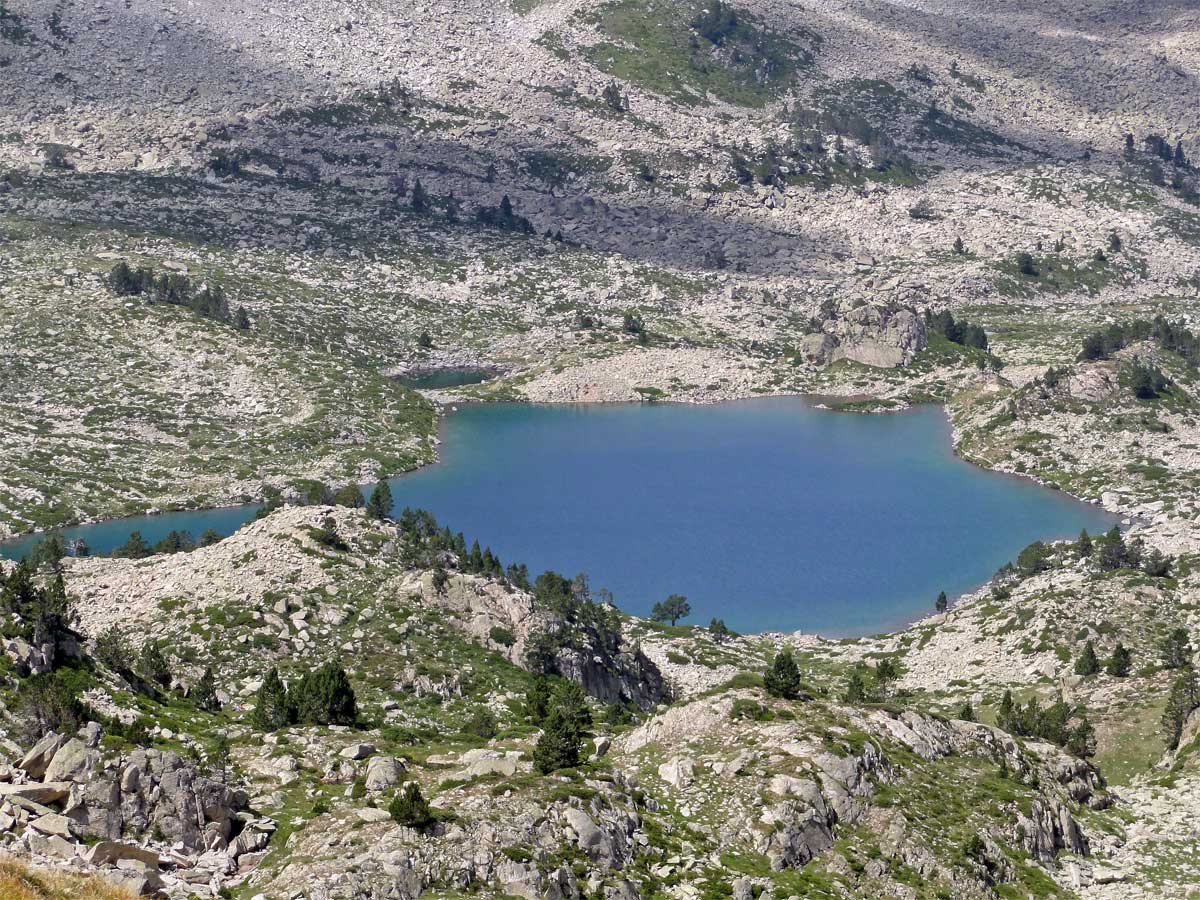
{"x": 807, "y": 401}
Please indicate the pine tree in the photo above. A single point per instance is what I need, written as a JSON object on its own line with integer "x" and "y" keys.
{"x": 942, "y": 602}
{"x": 325, "y": 697}
{"x": 350, "y": 495}
{"x": 380, "y": 504}
{"x": 559, "y": 746}
{"x": 671, "y": 610}
{"x": 570, "y": 700}
{"x": 204, "y": 692}
{"x": 783, "y": 678}
{"x": 959, "y": 248}
{"x": 1007, "y": 716}
{"x": 1174, "y": 649}
{"x": 856, "y": 688}
{"x": 537, "y": 699}
{"x": 242, "y": 321}
{"x": 1087, "y": 664}
{"x": 966, "y": 712}
{"x": 1081, "y": 741}
{"x": 1120, "y": 662}
{"x": 1083, "y": 546}
{"x": 408, "y": 807}
{"x": 272, "y": 706}
{"x": 420, "y": 198}
{"x": 1183, "y": 698}
{"x": 152, "y": 665}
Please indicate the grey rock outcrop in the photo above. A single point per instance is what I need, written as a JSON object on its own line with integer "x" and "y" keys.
{"x": 883, "y": 336}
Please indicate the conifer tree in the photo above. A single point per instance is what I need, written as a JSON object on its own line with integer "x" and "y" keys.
{"x": 942, "y": 602}
{"x": 1087, "y": 664}
{"x": 783, "y": 678}
{"x": 537, "y": 699}
{"x": 325, "y": 697}
{"x": 152, "y": 665}
{"x": 1120, "y": 662}
{"x": 408, "y": 807}
{"x": 420, "y": 198}
{"x": 380, "y": 504}
{"x": 1183, "y": 698}
{"x": 204, "y": 692}
{"x": 272, "y": 706}
{"x": 559, "y": 746}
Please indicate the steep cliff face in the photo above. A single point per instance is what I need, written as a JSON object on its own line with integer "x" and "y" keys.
{"x": 884, "y": 336}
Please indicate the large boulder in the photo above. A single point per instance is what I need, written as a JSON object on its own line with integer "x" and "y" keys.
{"x": 383, "y": 772}
{"x": 74, "y": 761}
{"x": 35, "y": 762}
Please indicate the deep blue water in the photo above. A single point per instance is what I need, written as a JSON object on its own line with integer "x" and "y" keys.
{"x": 768, "y": 513}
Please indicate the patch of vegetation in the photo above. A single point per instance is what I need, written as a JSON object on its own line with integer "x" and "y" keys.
{"x": 687, "y": 51}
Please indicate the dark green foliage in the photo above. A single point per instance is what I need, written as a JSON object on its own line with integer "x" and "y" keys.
{"x": 241, "y": 321}
{"x": 440, "y": 580}
{"x": 1051, "y": 723}
{"x": 1087, "y": 664}
{"x": 942, "y": 602}
{"x": 208, "y": 538}
{"x": 273, "y": 708}
{"x": 631, "y": 323}
{"x": 1034, "y": 558}
{"x": 1166, "y": 335}
{"x": 719, "y": 630}
{"x": 583, "y": 621}
{"x": 537, "y": 699}
{"x": 966, "y": 334}
{"x": 1174, "y": 649}
{"x": 350, "y": 495}
{"x": 113, "y": 650}
{"x": 48, "y": 553}
{"x": 380, "y": 504}
{"x": 966, "y": 712}
{"x": 481, "y": 724}
{"x": 564, "y": 728}
{"x": 408, "y": 807}
{"x": 716, "y": 23}
{"x": 1120, "y": 663}
{"x": 782, "y": 679}
{"x": 614, "y": 99}
{"x": 325, "y": 697}
{"x": 1084, "y": 545}
{"x": 327, "y": 535}
{"x": 1025, "y": 264}
{"x": 46, "y": 615}
{"x": 424, "y": 341}
{"x": 504, "y": 218}
{"x": 856, "y": 688}
{"x": 133, "y": 548}
{"x": 204, "y": 692}
{"x": 1182, "y": 699}
{"x": 153, "y": 666}
{"x": 427, "y": 544}
{"x": 502, "y": 636}
{"x": 1147, "y": 381}
{"x": 959, "y": 248}
{"x": 175, "y": 542}
{"x": 175, "y": 289}
{"x": 674, "y": 608}
{"x": 420, "y": 198}
{"x": 50, "y": 702}
{"x": 887, "y": 671}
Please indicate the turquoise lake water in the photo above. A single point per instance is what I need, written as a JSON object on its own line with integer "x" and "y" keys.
{"x": 768, "y": 513}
